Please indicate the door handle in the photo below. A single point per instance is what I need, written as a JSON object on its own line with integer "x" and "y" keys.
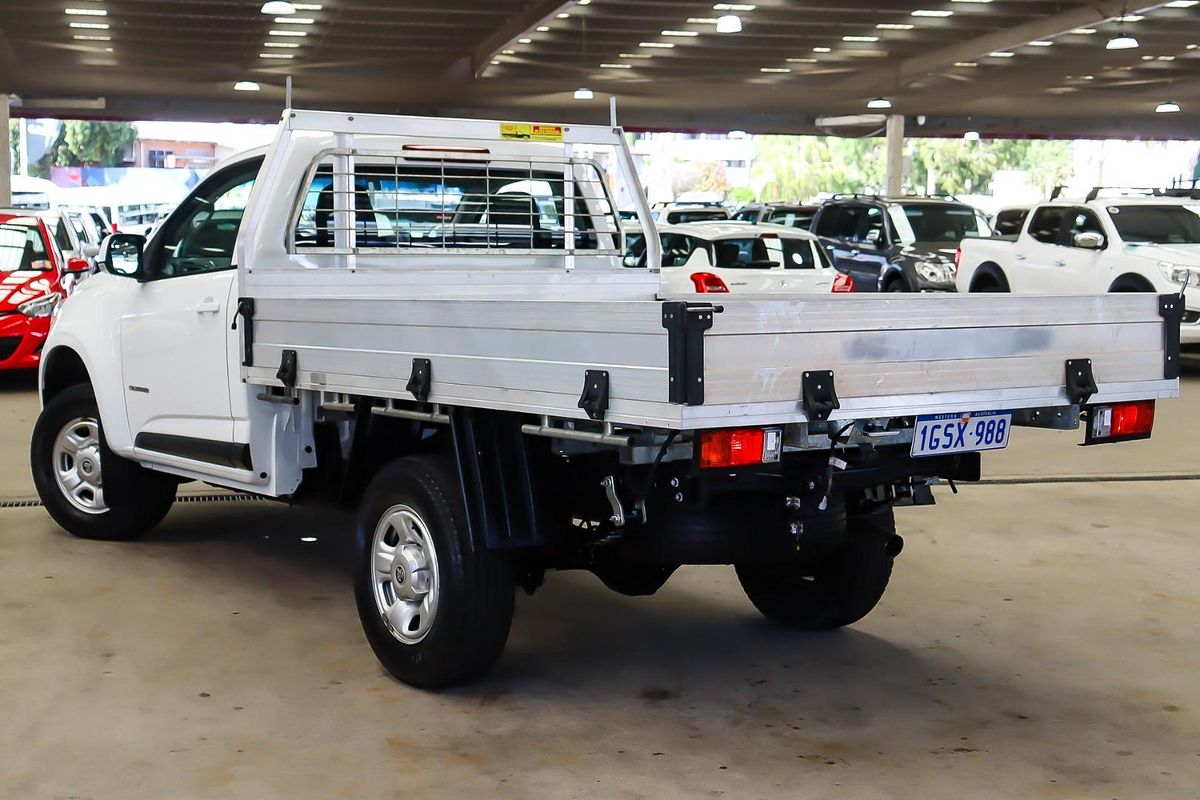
{"x": 207, "y": 306}
{"x": 1019, "y": 257}
{"x": 1058, "y": 262}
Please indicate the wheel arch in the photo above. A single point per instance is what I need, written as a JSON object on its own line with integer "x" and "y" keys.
{"x": 64, "y": 365}
{"x": 62, "y": 368}
{"x": 1131, "y": 282}
{"x": 989, "y": 272}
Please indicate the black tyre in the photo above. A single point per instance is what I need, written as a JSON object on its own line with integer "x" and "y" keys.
{"x": 839, "y": 590}
{"x": 89, "y": 490}
{"x": 435, "y": 611}
{"x": 897, "y": 285}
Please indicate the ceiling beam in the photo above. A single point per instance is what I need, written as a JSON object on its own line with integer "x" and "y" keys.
{"x": 497, "y": 40}
{"x": 896, "y": 76}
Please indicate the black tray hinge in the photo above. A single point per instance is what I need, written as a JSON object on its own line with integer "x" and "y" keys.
{"x": 1080, "y": 383}
{"x": 594, "y": 399}
{"x": 1170, "y": 308}
{"x": 686, "y": 324}
{"x": 420, "y": 379}
{"x": 818, "y": 395}
{"x": 245, "y": 310}
{"x": 287, "y": 369}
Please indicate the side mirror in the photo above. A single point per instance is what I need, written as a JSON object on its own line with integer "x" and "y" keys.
{"x": 1090, "y": 240}
{"x": 121, "y": 254}
{"x": 78, "y": 266}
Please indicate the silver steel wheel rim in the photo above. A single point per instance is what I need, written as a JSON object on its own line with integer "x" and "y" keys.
{"x": 404, "y": 572}
{"x": 76, "y": 465}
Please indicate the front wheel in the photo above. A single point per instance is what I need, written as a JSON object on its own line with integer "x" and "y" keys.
{"x": 435, "y": 610}
{"x": 89, "y": 490}
{"x": 836, "y": 591}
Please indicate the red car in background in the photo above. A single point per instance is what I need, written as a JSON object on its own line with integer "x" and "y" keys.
{"x": 31, "y": 286}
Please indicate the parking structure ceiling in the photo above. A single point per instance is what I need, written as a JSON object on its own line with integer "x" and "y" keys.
{"x": 1004, "y": 67}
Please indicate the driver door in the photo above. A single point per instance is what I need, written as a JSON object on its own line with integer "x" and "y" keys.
{"x": 175, "y": 330}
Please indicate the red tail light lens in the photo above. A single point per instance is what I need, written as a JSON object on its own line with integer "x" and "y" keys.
{"x": 740, "y": 446}
{"x": 1120, "y": 422}
{"x": 708, "y": 283}
{"x": 843, "y": 283}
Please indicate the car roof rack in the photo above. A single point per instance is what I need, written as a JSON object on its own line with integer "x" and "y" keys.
{"x": 855, "y": 195}
{"x": 1192, "y": 193}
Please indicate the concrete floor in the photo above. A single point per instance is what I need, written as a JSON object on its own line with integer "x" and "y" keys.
{"x": 1038, "y": 641}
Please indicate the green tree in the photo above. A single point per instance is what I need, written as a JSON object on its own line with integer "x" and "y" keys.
{"x": 93, "y": 144}
{"x": 14, "y": 142}
{"x": 799, "y": 167}
{"x": 960, "y": 166}
{"x": 712, "y": 178}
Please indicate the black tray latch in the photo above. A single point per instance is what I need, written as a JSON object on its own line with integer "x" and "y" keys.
{"x": 287, "y": 369}
{"x": 818, "y": 395}
{"x": 1080, "y": 383}
{"x": 420, "y": 379}
{"x": 594, "y": 399}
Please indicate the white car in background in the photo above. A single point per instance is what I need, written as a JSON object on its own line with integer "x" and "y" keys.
{"x": 1126, "y": 243}
{"x": 679, "y": 213}
{"x": 709, "y": 257}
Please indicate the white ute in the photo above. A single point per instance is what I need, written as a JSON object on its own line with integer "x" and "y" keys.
{"x": 429, "y": 320}
{"x": 1124, "y": 243}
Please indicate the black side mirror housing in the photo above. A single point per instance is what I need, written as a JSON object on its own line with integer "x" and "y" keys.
{"x": 121, "y": 254}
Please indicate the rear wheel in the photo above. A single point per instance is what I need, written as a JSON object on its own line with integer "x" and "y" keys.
{"x": 435, "y": 610}
{"x": 89, "y": 490}
{"x": 897, "y": 285}
{"x": 838, "y": 590}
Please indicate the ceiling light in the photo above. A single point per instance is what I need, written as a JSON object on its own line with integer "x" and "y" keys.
{"x": 583, "y": 93}
{"x": 280, "y": 44}
{"x": 289, "y": 33}
{"x": 733, "y": 7}
{"x": 95, "y": 26}
{"x": 801, "y": 60}
{"x": 1182, "y": 3}
{"x": 822, "y": 50}
{"x": 970, "y": 136}
{"x": 1193, "y": 46}
{"x": 879, "y": 102}
{"x": 278, "y": 7}
{"x": 1167, "y": 107}
{"x": 246, "y": 86}
{"x": 524, "y": 40}
{"x": 680, "y": 33}
{"x": 965, "y": 64}
{"x": 658, "y": 45}
{"x": 902, "y": 26}
{"x": 87, "y": 12}
{"x": 1147, "y": 58}
{"x": 1041, "y": 43}
{"x": 276, "y": 55}
{"x": 91, "y": 37}
{"x": 932, "y": 12}
{"x": 563, "y": 15}
{"x": 1122, "y": 41}
{"x": 616, "y": 66}
{"x": 1166, "y": 58}
{"x": 495, "y": 61}
{"x": 1001, "y": 54}
{"x": 542, "y": 28}
{"x": 507, "y": 52}
{"x": 584, "y": 2}
{"x": 1087, "y": 77}
{"x": 1083, "y": 31}
{"x": 729, "y": 23}
{"x": 1129, "y": 18}
{"x": 860, "y": 38}
{"x": 978, "y": 2}
{"x": 306, "y": 6}
{"x": 713, "y": 20}
{"x": 295, "y": 20}
{"x": 773, "y": 69}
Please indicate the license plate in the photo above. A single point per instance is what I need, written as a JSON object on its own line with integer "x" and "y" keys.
{"x": 968, "y": 432}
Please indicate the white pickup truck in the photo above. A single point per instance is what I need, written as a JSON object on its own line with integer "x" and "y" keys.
{"x": 429, "y": 320}
{"x": 1101, "y": 244}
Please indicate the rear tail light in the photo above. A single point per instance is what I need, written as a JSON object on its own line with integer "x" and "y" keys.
{"x": 1120, "y": 422}
{"x": 740, "y": 447}
{"x": 843, "y": 283}
{"x": 708, "y": 283}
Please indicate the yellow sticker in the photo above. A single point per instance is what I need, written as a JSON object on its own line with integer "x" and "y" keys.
{"x": 527, "y": 132}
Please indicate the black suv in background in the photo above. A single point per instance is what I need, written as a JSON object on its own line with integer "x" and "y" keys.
{"x": 896, "y": 244}
{"x": 794, "y": 215}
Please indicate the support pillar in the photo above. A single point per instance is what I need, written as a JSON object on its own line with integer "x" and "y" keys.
{"x": 895, "y": 154}
{"x": 5, "y": 156}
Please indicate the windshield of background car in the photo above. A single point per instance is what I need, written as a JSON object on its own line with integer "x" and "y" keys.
{"x": 1146, "y": 224}
{"x": 22, "y": 246}
{"x": 699, "y": 215}
{"x": 792, "y": 217}
{"x": 938, "y": 222}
